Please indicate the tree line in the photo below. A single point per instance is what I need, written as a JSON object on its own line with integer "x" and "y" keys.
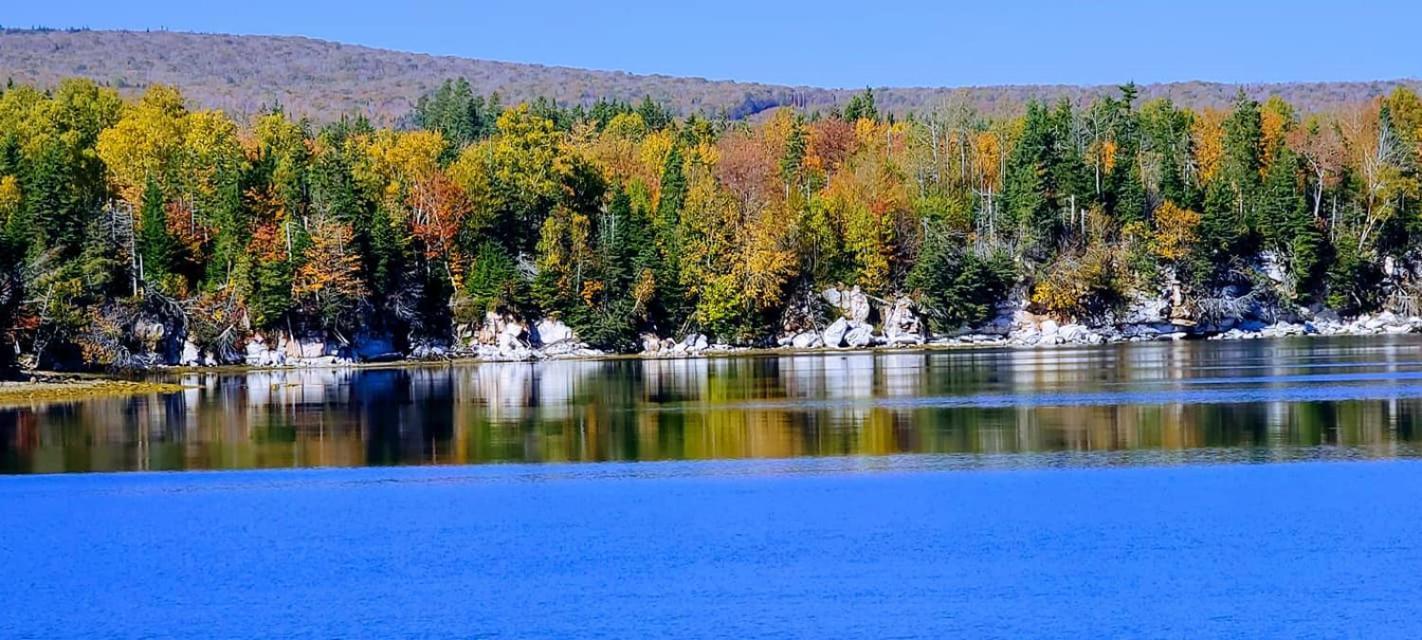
{"x": 619, "y": 218}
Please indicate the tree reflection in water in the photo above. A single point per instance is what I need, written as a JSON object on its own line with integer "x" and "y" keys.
{"x": 1271, "y": 397}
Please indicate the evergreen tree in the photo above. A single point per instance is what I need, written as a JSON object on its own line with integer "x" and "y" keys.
{"x": 1243, "y": 143}
{"x": 15, "y": 238}
{"x": 458, "y": 114}
{"x": 958, "y": 287}
{"x": 1286, "y": 226}
{"x": 1028, "y": 193}
{"x": 157, "y": 250}
{"x": 494, "y": 282}
{"x": 52, "y": 200}
{"x": 862, "y": 106}
{"x": 672, "y": 305}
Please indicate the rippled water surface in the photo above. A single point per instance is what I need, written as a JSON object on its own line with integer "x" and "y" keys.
{"x": 1281, "y": 398}
{"x": 1182, "y": 490}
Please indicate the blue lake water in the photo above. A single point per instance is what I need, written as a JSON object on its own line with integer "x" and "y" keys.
{"x": 911, "y": 547}
{"x": 1182, "y": 490}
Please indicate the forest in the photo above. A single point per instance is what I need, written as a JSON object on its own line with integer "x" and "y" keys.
{"x": 620, "y": 219}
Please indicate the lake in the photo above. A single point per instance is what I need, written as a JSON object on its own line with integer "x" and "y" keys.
{"x": 1258, "y": 400}
{"x": 1194, "y": 489}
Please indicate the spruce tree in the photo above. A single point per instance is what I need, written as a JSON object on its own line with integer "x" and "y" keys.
{"x": 157, "y": 249}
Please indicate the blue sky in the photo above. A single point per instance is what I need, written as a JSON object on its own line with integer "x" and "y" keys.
{"x": 833, "y": 44}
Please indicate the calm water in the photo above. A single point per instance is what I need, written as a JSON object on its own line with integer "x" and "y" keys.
{"x": 897, "y": 547}
{"x": 1264, "y": 399}
{"x": 1104, "y": 492}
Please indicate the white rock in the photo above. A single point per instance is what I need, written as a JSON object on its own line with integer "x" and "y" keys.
{"x": 191, "y": 356}
{"x": 561, "y": 348}
{"x": 861, "y": 336}
{"x": 901, "y": 325}
{"x": 551, "y": 332}
{"x": 1072, "y": 333}
{"x": 858, "y": 307}
{"x": 1147, "y": 311}
{"x": 1048, "y": 327}
{"x": 833, "y": 335}
{"x": 806, "y": 340}
{"x": 1327, "y": 316}
{"x": 304, "y": 349}
{"x": 651, "y": 343}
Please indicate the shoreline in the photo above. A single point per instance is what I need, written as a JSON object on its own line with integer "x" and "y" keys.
{"x": 725, "y": 351}
{"x": 49, "y": 386}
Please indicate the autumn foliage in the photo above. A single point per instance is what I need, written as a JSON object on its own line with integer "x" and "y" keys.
{"x": 622, "y": 219}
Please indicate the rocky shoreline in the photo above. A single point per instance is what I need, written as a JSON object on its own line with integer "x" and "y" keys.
{"x": 858, "y": 324}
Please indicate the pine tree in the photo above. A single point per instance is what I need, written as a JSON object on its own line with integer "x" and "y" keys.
{"x": 862, "y": 106}
{"x": 157, "y": 249}
{"x": 1028, "y": 193}
{"x": 52, "y": 201}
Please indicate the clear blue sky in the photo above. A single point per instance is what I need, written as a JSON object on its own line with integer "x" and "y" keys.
{"x": 900, "y": 42}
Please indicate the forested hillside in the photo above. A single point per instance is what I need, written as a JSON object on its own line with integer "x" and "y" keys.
{"x": 623, "y": 219}
{"x": 242, "y": 75}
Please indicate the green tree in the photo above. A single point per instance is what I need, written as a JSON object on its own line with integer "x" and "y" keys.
{"x": 956, "y": 286}
{"x": 862, "y": 106}
{"x": 157, "y": 250}
{"x": 1029, "y": 193}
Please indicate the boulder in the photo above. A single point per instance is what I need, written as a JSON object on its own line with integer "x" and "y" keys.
{"x": 510, "y": 338}
{"x": 428, "y": 351}
{"x": 695, "y": 343}
{"x": 487, "y": 333}
{"x": 651, "y": 343}
{"x": 1025, "y": 336}
{"x": 191, "y": 356}
{"x": 562, "y": 348}
{"x": 496, "y": 325}
{"x": 852, "y": 304}
{"x": 806, "y": 340}
{"x": 259, "y": 354}
{"x": 833, "y": 335}
{"x": 857, "y": 306}
{"x": 304, "y": 348}
{"x": 1147, "y": 311}
{"x": 901, "y": 325}
{"x": 858, "y": 337}
{"x": 551, "y": 332}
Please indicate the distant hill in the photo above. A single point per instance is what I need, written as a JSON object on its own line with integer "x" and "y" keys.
{"x": 321, "y": 79}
